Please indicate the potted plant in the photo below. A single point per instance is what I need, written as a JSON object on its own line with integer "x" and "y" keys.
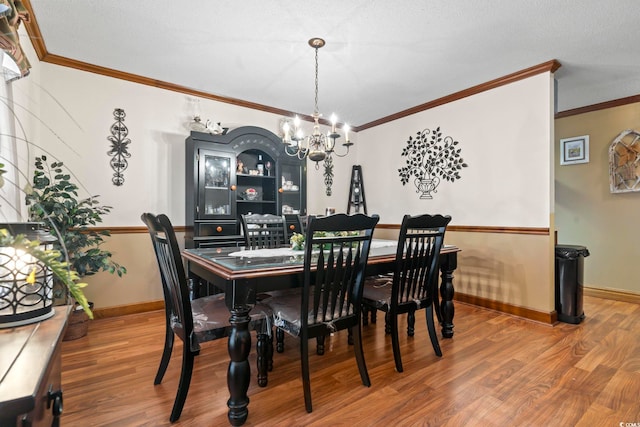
{"x": 430, "y": 157}
{"x": 53, "y": 199}
{"x": 50, "y": 258}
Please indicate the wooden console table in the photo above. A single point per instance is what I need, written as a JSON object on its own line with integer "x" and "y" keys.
{"x": 30, "y": 372}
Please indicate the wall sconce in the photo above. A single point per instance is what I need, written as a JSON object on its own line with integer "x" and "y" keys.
{"x": 21, "y": 302}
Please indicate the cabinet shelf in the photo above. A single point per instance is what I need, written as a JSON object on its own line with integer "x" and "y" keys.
{"x": 256, "y": 201}
{"x": 244, "y": 175}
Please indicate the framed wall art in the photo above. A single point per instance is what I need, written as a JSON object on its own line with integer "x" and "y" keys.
{"x": 574, "y": 150}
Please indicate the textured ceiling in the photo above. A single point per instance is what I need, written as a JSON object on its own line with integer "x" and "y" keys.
{"x": 381, "y": 57}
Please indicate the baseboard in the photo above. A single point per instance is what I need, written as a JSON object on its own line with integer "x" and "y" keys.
{"x": 527, "y": 313}
{"x": 611, "y": 294}
{"x": 539, "y": 316}
{"x": 121, "y": 310}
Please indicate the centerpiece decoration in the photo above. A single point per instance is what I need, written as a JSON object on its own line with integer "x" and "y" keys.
{"x": 297, "y": 241}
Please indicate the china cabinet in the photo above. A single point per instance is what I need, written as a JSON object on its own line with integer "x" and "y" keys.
{"x": 243, "y": 171}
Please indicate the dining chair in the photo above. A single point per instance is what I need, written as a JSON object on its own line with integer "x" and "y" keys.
{"x": 264, "y": 230}
{"x": 199, "y": 320}
{"x": 414, "y": 282}
{"x": 335, "y": 258}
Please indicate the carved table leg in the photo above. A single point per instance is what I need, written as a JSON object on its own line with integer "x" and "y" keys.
{"x": 239, "y": 372}
{"x": 448, "y": 264}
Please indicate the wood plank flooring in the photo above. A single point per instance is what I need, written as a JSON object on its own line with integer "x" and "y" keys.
{"x": 498, "y": 370}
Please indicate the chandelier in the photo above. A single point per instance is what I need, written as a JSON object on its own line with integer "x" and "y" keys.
{"x": 317, "y": 146}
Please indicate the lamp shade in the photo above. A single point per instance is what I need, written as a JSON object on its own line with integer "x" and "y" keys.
{"x": 22, "y": 302}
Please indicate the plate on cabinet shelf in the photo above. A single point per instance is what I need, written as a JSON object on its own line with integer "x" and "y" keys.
{"x": 250, "y": 194}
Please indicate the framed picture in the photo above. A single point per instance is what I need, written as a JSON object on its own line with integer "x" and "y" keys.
{"x": 574, "y": 150}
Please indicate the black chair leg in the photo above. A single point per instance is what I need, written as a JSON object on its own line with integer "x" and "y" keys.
{"x": 166, "y": 355}
{"x": 320, "y": 345}
{"x": 374, "y": 316}
{"x": 349, "y": 337}
{"x": 387, "y": 323}
{"x": 411, "y": 323}
{"x": 270, "y": 353}
{"x": 431, "y": 327}
{"x": 262, "y": 349}
{"x": 436, "y": 302}
{"x": 306, "y": 382}
{"x": 365, "y": 315}
{"x": 395, "y": 342}
{"x": 279, "y": 340}
{"x": 183, "y": 386}
{"x": 362, "y": 366}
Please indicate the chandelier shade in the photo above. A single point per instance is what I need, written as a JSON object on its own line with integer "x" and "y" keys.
{"x": 316, "y": 146}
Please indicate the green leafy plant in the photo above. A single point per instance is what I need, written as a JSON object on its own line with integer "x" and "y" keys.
{"x": 297, "y": 240}
{"x": 2, "y": 172}
{"x": 53, "y": 200}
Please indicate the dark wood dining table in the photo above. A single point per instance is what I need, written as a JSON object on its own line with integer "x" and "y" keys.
{"x": 244, "y": 274}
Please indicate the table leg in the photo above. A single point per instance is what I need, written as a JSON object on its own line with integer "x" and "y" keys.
{"x": 448, "y": 264}
{"x": 239, "y": 372}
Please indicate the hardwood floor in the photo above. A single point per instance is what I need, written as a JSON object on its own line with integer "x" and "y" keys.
{"x": 498, "y": 370}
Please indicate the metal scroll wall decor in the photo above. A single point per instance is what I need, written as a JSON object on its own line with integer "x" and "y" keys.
{"x": 119, "y": 147}
{"x": 624, "y": 162}
{"x": 328, "y": 175}
{"x": 429, "y": 158}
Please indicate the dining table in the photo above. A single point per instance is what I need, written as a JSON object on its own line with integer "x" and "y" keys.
{"x": 245, "y": 275}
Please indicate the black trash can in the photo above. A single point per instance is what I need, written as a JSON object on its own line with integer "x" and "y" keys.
{"x": 569, "y": 282}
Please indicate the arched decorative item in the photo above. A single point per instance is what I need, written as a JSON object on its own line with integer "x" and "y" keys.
{"x": 430, "y": 157}
{"x": 119, "y": 147}
{"x": 624, "y": 162}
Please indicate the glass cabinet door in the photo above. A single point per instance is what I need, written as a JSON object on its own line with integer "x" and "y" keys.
{"x": 217, "y": 184}
{"x": 292, "y": 189}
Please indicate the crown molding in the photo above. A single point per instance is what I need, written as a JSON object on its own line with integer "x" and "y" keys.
{"x": 43, "y": 54}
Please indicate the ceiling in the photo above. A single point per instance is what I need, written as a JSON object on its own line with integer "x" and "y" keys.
{"x": 380, "y": 58}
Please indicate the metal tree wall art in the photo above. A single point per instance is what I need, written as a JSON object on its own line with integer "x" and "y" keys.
{"x": 429, "y": 157}
{"x": 119, "y": 147}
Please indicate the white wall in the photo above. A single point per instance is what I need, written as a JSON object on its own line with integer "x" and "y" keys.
{"x": 68, "y": 113}
{"x": 505, "y": 138}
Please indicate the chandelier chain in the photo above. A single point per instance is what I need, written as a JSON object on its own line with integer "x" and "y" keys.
{"x": 317, "y": 111}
